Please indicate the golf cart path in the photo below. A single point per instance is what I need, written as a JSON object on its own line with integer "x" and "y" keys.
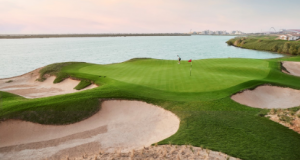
{"x": 119, "y": 124}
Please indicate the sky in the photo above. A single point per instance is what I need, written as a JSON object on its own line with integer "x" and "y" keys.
{"x": 139, "y": 16}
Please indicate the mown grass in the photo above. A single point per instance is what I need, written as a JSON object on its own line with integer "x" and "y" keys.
{"x": 266, "y": 43}
{"x": 209, "y": 117}
{"x": 169, "y": 76}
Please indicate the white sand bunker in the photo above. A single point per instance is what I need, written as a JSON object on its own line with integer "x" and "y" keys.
{"x": 120, "y": 124}
{"x": 27, "y": 86}
{"x": 292, "y": 67}
{"x": 269, "y": 97}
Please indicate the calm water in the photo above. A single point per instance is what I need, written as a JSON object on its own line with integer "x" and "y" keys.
{"x": 19, "y": 56}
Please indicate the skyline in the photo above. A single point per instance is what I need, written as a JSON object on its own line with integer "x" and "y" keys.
{"x": 133, "y": 16}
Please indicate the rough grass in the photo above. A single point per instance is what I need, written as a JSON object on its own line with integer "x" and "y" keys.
{"x": 209, "y": 118}
{"x": 266, "y": 43}
{"x": 54, "y": 70}
{"x": 52, "y": 110}
{"x": 60, "y": 77}
{"x": 83, "y": 84}
{"x": 166, "y": 152}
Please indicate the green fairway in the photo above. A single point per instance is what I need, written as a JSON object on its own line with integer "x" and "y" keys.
{"x": 209, "y": 118}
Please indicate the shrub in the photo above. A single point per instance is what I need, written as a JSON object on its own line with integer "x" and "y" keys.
{"x": 275, "y": 48}
{"x": 9, "y": 81}
{"x": 298, "y": 115}
{"x": 41, "y": 79}
{"x": 237, "y": 42}
{"x": 279, "y": 50}
{"x": 294, "y": 109}
{"x": 285, "y": 118}
{"x": 243, "y": 42}
{"x": 293, "y": 50}
{"x": 298, "y": 51}
{"x": 273, "y": 111}
{"x": 263, "y": 113}
{"x": 286, "y": 47}
{"x": 230, "y": 43}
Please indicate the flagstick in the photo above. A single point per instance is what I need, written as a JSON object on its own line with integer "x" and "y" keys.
{"x": 191, "y": 69}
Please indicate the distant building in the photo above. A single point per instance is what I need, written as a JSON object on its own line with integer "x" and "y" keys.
{"x": 283, "y": 37}
{"x": 236, "y": 32}
{"x": 289, "y": 37}
{"x": 211, "y": 32}
{"x": 220, "y": 32}
{"x": 208, "y": 32}
{"x": 205, "y": 32}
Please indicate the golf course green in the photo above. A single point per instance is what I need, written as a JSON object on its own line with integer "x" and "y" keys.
{"x": 208, "y": 116}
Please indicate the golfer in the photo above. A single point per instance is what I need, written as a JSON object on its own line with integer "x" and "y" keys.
{"x": 179, "y": 59}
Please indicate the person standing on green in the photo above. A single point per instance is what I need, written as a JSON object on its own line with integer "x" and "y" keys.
{"x": 179, "y": 59}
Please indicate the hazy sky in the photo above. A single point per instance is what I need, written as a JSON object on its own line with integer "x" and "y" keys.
{"x": 141, "y": 16}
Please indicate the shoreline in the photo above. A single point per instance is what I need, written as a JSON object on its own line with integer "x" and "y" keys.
{"x": 20, "y": 36}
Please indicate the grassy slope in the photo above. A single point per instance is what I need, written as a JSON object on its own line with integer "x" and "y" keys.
{"x": 209, "y": 118}
{"x": 266, "y": 43}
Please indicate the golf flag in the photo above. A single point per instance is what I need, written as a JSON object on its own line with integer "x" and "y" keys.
{"x": 190, "y": 67}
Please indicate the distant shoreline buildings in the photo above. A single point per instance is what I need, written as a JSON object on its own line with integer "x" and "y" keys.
{"x": 209, "y": 32}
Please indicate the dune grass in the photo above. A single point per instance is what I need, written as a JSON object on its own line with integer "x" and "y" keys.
{"x": 209, "y": 117}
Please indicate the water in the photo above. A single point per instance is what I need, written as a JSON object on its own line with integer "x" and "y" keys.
{"x": 19, "y": 56}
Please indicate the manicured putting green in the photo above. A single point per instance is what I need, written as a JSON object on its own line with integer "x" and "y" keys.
{"x": 207, "y": 75}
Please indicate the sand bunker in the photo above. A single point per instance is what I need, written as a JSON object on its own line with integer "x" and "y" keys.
{"x": 269, "y": 97}
{"x": 292, "y": 67}
{"x": 119, "y": 124}
{"x": 27, "y": 86}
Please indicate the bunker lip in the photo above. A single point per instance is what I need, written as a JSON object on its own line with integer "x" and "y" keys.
{"x": 269, "y": 97}
{"x": 120, "y": 124}
{"x": 26, "y": 85}
{"x": 292, "y": 67}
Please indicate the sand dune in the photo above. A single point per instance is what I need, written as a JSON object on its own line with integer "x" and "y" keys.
{"x": 269, "y": 97}
{"x": 119, "y": 124}
{"x": 27, "y": 86}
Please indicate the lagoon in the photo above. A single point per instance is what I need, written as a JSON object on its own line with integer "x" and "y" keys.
{"x": 19, "y": 56}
